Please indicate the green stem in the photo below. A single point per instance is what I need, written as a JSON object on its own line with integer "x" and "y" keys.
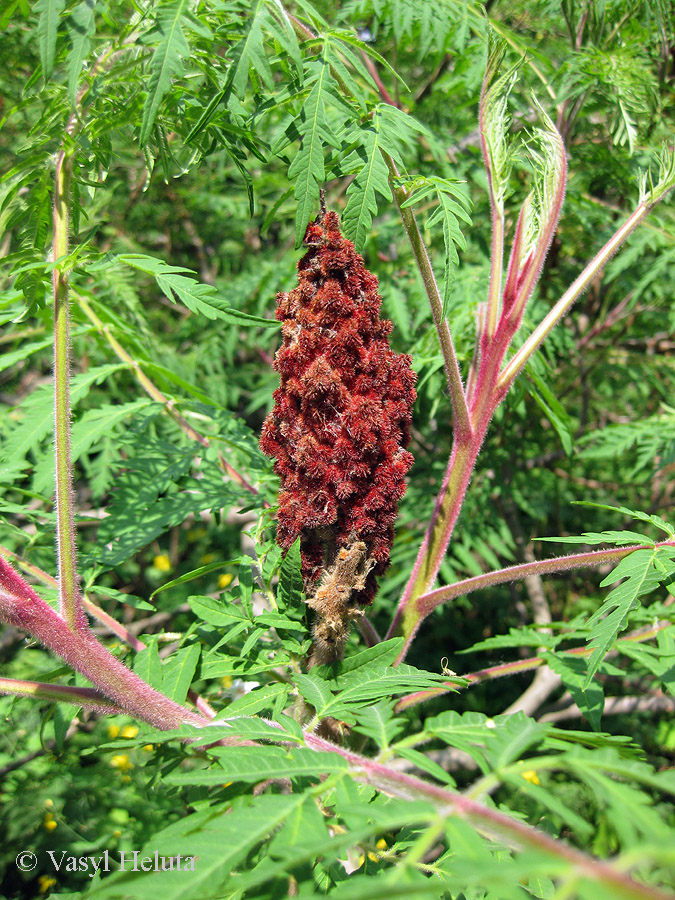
{"x": 454, "y": 377}
{"x": 69, "y": 592}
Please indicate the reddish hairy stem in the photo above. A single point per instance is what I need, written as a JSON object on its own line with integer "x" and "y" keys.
{"x": 497, "y": 252}
{"x": 65, "y": 693}
{"x": 578, "y": 286}
{"x": 426, "y": 603}
{"x": 112, "y": 625}
{"x": 451, "y": 495}
{"x": 21, "y": 607}
{"x": 529, "y": 272}
{"x": 489, "y": 821}
{"x": 443, "y": 519}
{"x": 516, "y": 667}
{"x": 491, "y": 388}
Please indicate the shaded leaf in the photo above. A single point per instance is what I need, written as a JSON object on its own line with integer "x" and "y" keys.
{"x": 47, "y": 29}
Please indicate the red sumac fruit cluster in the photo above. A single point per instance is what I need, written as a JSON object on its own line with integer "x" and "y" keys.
{"x": 341, "y": 419}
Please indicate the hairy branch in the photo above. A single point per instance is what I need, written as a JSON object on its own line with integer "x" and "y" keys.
{"x": 500, "y": 827}
{"x": 525, "y": 665}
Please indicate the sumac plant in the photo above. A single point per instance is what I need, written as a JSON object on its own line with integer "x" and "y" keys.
{"x": 422, "y": 433}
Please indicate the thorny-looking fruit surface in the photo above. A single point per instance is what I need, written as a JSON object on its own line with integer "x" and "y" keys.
{"x": 341, "y": 419}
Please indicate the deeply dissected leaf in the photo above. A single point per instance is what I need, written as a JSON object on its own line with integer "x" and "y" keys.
{"x": 178, "y": 672}
{"x": 48, "y": 23}
{"x": 87, "y": 431}
{"x": 290, "y": 577}
{"x": 82, "y": 26}
{"x": 260, "y": 763}
{"x": 37, "y": 416}
{"x": 453, "y": 206}
{"x": 307, "y": 168}
{"x": 640, "y": 578}
{"x": 361, "y": 686}
{"x": 199, "y": 298}
{"x": 371, "y": 179}
{"x": 378, "y": 722}
{"x": 572, "y": 671}
{"x": 490, "y": 742}
{"x": 250, "y": 53}
{"x": 220, "y": 841}
{"x": 167, "y": 60}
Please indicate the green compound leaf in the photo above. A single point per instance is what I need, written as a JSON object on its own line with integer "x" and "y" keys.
{"x": 167, "y": 61}
{"x": 640, "y": 578}
{"x": 176, "y": 282}
{"x": 371, "y": 179}
{"x": 48, "y": 25}
{"x": 251, "y": 764}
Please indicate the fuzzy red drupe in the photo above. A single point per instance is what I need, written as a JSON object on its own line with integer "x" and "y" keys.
{"x": 341, "y": 420}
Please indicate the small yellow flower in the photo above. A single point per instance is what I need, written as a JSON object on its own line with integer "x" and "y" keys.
{"x": 49, "y": 804}
{"x": 224, "y": 581}
{"x": 207, "y": 558}
{"x": 49, "y": 822}
{"x": 113, "y": 731}
{"x": 531, "y": 776}
{"x": 45, "y": 882}
{"x": 148, "y": 748}
{"x": 129, "y": 731}
{"x": 117, "y": 833}
{"x": 372, "y": 855}
{"x": 227, "y": 784}
{"x": 226, "y": 681}
{"x": 162, "y": 562}
{"x": 122, "y": 762}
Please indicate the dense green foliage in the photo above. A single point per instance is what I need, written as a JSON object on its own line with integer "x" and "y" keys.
{"x": 199, "y": 136}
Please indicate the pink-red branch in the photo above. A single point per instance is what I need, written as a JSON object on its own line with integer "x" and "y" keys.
{"x": 21, "y": 607}
{"x": 65, "y": 693}
{"x": 518, "y": 666}
{"x": 427, "y": 603}
{"x": 489, "y": 821}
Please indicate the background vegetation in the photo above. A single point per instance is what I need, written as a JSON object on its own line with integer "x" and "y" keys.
{"x": 200, "y": 135}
